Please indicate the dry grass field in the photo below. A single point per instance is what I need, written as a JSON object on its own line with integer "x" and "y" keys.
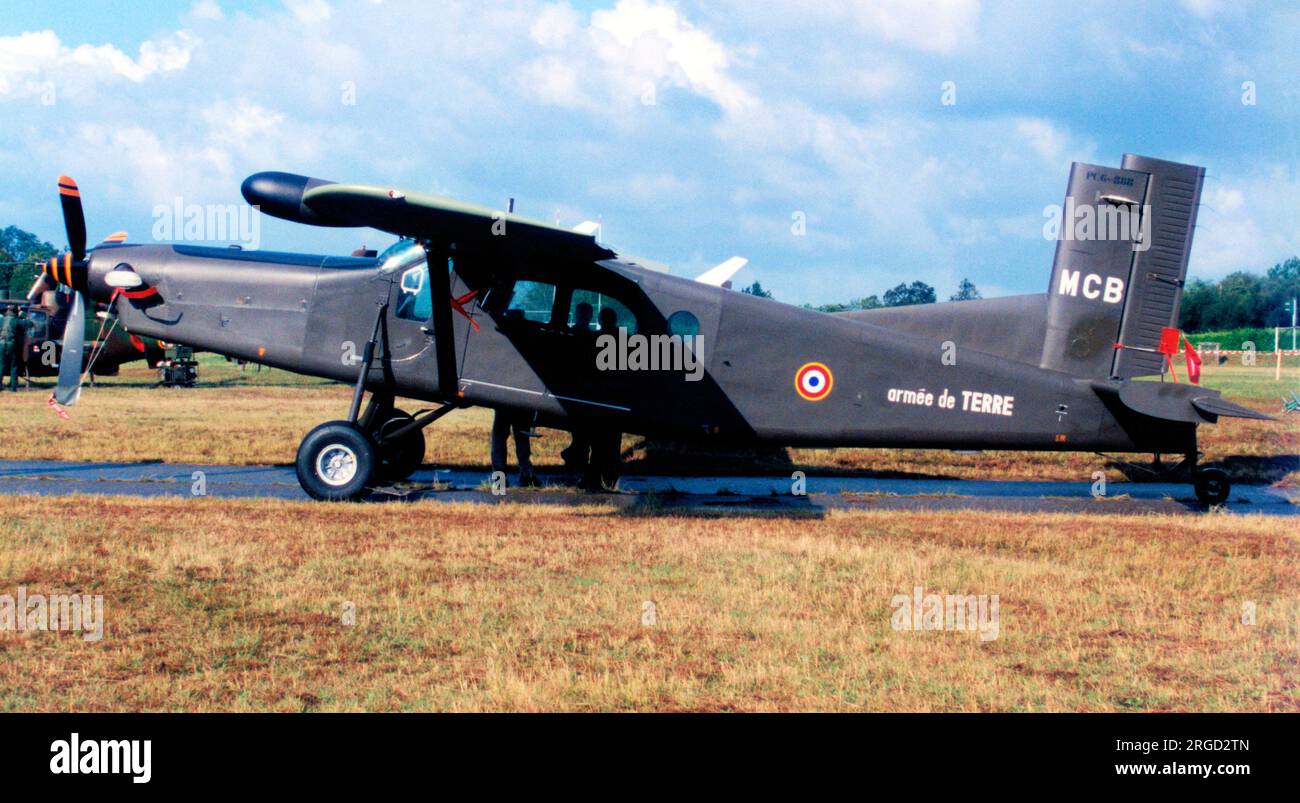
{"x": 219, "y": 605}
{"x": 244, "y": 605}
{"x": 259, "y": 418}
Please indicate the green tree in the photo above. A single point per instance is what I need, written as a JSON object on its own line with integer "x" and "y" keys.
{"x": 966, "y": 291}
{"x": 1238, "y": 301}
{"x": 1281, "y": 284}
{"x": 756, "y": 289}
{"x": 1197, "y": 297}
{"x": 20, "y": 253}
{"x": 906, "y": 294}
{"x": 870, "y": 302}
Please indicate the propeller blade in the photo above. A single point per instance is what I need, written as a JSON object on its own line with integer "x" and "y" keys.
{"x": 74, "y": 341}
{"x": 42, "y": 284}
{"x": 74, "y": 219}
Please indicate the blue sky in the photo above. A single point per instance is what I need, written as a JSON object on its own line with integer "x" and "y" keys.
{"x": 693, "y": 131}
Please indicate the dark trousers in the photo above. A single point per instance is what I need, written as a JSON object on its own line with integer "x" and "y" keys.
{"x": 577, "y": 455}
{"x": 8, "y": 364}
{"x": 606, "y": 459}
{"x": 503, "y": 424}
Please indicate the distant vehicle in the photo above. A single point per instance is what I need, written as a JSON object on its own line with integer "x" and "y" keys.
{"x": 49, "y": 309}
{"x": 481, "y": 307}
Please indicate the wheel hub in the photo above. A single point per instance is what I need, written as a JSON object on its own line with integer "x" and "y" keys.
{"x": 336, "y": 464}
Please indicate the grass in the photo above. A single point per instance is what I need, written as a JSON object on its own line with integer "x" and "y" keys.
{"x": 252, "y": 417}
{"x": 238, "y": 606}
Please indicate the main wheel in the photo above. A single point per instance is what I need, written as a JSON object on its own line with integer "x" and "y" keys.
{"x": 335, "y": 462}
{"x": 1212, "y": 486}
{"x": 402, "y": 458}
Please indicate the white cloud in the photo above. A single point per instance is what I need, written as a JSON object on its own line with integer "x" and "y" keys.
{"x": 207, "y": 10}
{"x": 1043, "y": 137}
{"x": 1246, "y": 222}
{"x": 309, "y": 12}
{"x": 1202, "y": 8}
{"x": 30, "y": 59}
{"x": 939, "y": 26}
{"x": 624, "y": 55}
{"x": 761, "y": 110}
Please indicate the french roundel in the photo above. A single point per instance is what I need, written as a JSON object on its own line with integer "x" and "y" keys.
{"x": 813, "y": 381}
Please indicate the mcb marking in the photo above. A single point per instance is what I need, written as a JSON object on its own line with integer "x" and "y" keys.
{"x": 1109, "y": 289}
{"x": 813, "y": 381}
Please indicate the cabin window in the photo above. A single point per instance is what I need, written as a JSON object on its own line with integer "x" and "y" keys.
{"x": 594, "y": 312}
{"x": 415, "y": 301}
{"x": 532, "y": 301}
{"x": 683, "y": 324}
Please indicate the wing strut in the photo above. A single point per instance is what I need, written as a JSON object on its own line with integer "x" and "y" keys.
{"x": 444, "y": 339}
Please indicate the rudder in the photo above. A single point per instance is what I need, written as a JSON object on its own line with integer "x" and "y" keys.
{"x": 1121, "y": 258}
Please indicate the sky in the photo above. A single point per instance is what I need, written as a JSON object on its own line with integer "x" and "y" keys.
{"x": 842, "y": 147}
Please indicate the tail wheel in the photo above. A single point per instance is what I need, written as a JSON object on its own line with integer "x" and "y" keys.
{"x": 336, "y": 462}
{"x": 401, "y": 458}
{"x": 1212, "y": 486}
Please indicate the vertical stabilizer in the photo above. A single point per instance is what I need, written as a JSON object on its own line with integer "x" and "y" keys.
{"x": 1121, "y": 258}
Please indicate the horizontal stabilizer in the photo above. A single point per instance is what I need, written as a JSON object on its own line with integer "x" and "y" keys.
{"x": 1214, "y": 405}
{"x": 718, "y": 276}
{"x": 1174, "y": 401}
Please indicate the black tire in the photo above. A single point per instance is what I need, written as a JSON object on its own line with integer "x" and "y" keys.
{"x": 335, "y": 462}
{"x": 401, "y": 459}
{"x": 1212, "y": 486}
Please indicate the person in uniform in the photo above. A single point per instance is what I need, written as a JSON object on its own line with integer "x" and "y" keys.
{"x": 9, "y": 333}
{"x": 21, "y": 341}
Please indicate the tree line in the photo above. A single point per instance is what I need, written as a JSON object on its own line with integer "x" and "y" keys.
{"x": 1242, "y": 299}
{"x": 901, "y": 296}
{"x": 21, "y": 252}
{"x": 1238, "y": 300}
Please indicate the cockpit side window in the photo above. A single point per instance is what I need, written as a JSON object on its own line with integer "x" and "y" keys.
{"x": 415, "y": 297}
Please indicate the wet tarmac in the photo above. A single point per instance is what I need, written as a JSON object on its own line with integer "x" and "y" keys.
{"x": 649, "y": 494}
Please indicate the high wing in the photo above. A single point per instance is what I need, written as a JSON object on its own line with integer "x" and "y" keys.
{"x": 417, "y": 215}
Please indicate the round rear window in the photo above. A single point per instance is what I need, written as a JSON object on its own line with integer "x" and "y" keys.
{"x": 683, "y": 323}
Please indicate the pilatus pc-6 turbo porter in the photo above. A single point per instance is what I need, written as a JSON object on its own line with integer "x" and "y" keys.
{"x": 479, "y": 307}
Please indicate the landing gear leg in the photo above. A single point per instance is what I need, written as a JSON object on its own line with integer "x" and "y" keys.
{"x": 340, "y": 460}
{"x": 399, "y": 445}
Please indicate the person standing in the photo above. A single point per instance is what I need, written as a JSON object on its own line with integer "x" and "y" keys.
{"x": 9, "y": 332}
{"x": 21, "y": 341}
{"x": 504, "y": 423}
{"x": 606, "y": 444}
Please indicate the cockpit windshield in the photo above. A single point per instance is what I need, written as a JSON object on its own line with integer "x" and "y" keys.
{"x": 401, "y": 254}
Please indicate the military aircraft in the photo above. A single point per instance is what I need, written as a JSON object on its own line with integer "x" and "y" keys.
{"x": 476, "y": 306}
{"x": 49, "y": 310}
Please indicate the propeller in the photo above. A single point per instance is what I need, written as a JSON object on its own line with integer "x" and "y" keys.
{"x": 71, "y": 269}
